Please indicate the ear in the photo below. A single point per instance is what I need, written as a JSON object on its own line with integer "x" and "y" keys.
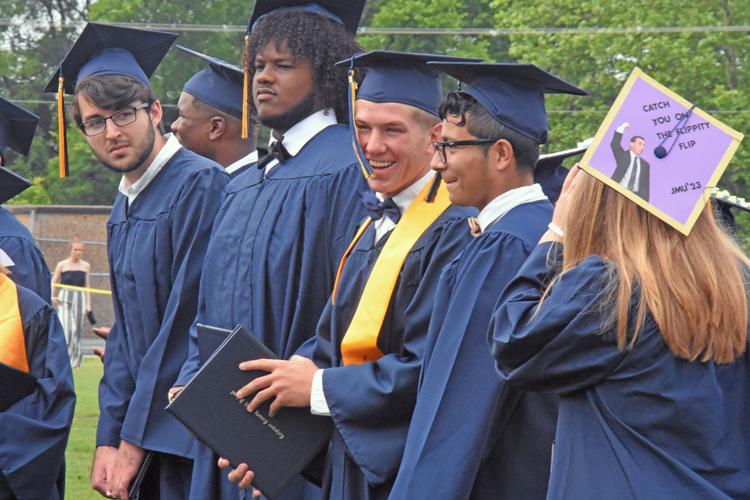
{"x": 155, "y": 112}
{"x": 501, "y": 155}
{"x": 434, "y": 135}
{"x": 217, "y": 127}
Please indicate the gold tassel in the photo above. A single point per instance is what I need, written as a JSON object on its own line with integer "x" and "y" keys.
{"x": 62, "y": 143}
{"x": 245, "y": 87}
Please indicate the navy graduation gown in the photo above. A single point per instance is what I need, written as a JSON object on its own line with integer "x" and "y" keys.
{"x": 30, "y": 269}
{"x": 371, "y": 403}
{"x": 471, "y": 436}
{"x": 34, "y": 431}
{"x": 156, "y": 248}
{"x": 638, "y": 423}
{"x": 273, "y": 257}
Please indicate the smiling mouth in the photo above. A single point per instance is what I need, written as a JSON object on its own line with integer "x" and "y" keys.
{"x": 381, "y": 164}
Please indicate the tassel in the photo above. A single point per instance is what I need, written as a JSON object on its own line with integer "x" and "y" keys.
{"x": 434, "y": 188}
{"x": 61, "y": 129}
{"x": 245, "y": 87}
{"x": 363, "y": 164}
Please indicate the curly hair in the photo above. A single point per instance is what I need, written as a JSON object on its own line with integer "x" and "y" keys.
{"x": 315, "y": 39}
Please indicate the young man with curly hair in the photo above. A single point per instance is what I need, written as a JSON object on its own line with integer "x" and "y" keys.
{"x": 284, "y": 224}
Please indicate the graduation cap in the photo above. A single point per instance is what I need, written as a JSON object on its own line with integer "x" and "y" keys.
{"x": 512, "y": 93}
{"x": 106, "y": 50}
{"x": 400, "y": 77}
{"x": 219, "y": 85}
{"x": 346, "y": 13}
{"x": 11, "y": 185}
{"x": 17, "y": 127}
{"x": 550, "y": 173}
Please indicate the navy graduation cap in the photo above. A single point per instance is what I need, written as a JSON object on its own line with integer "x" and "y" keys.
{"x": 11, "y": 184}
{"x": 17, "y": 127}
{"x": 512, "y": 93}
{"x": 219, "y": 85}
{"x": 344, "y": 12}
{"x": 106, "y": 50}
{"x": 400, "y": 77}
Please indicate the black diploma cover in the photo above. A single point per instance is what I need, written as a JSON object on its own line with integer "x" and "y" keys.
{"x": 15, "y": 384}
{"x": 275, "y": 448}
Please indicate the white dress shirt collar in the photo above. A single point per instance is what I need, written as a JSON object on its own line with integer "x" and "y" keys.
{"x": 131, "y": 191}
{"x": 300, "y": 134}
{"x": 245, "y": 160}
{"x": 507, "y": 201}
{"x": 402, "y": 201}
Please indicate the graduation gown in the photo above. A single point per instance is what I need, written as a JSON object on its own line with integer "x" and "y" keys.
{"x": 34, "y": 431}
{"x": 273, "y": 257}
{"x": 638, "y": 423}
{"x": 469, "y": 426}
{"x": 156, "y": 248}
{"x": 371, "y": 403}
{"x": 30, "y": 269}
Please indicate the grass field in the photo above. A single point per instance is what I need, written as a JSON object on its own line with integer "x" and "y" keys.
{"x": 83, "y": 434}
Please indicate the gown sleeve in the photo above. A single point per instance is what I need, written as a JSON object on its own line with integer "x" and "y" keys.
{"x": 371, "y": 403}
{"x": 30, "y": 269}
{"x": 35, "y": 429}
{"x": 564, "y": 346}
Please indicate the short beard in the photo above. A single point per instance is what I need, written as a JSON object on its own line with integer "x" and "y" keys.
{"x": 138, "y": 163}
{"x": 282, "y": 123}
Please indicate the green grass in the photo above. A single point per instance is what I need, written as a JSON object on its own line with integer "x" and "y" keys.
{"x": 82, "y": 439}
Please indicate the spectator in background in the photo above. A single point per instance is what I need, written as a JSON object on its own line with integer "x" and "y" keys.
{"x": 73, "y": 304}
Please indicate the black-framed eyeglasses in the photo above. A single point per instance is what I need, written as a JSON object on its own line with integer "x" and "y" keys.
{"x": 121, "y": 118}
{"x": 441, "y": 146}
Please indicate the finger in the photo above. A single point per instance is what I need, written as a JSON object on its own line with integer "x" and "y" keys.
{"x": 260, "y": 398}
{"x": 247, "y": 479}
{"x": 255, "y": 386}
{"x": 236, "y": 475}
{"x": 570, "y": 177}
{"x": 257, "y": 493}
{"x": 276, "y": 406}
{"x": 264, "y": 365}
{"x": 222, "y": 463}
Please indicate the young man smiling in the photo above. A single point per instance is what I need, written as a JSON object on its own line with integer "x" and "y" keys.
{"x": 284, "y": 225}
{"x": 467, "y": 426}
{"x": 362, "y": 367}
{"x": 157, "y": 234}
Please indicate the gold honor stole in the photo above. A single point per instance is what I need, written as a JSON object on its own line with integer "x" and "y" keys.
{"x": 12, "y": 342}
{"x": 360, "y": 343}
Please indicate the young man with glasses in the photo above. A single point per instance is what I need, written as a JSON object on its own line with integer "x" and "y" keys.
{"x": 489, "y": 441}
{"x": 157, "y": 236}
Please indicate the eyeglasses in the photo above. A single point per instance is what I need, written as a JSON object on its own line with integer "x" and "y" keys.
{"x": 441, "y": 146}
{"x": 121, "y": 118}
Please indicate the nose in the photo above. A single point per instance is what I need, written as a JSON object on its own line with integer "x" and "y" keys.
{"x": 436, "y": 163}
{"x": 111, "y": 130}
{"x": 175, "y": 125}
{"x": 264, "y": 74}
{"x": 372, "y": 143}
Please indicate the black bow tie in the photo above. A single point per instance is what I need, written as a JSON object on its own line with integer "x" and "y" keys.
{"x": 277, "y": 152}
{"x": 376, "y": 208}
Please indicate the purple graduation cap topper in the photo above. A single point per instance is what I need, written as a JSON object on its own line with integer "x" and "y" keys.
{"x": 661, "y": 151}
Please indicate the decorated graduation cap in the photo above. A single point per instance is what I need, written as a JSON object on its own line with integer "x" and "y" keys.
{"x": 346, "y": 13}
{"x": 661, "y": 151}
{"x": 550, "y": 173}
{"x": 17, "y": 127}
{"x": 106, "y": 50}
{"x": 219, "y": 85}
{"x": 399, "y": 77}
{"x": 512, "y": 93}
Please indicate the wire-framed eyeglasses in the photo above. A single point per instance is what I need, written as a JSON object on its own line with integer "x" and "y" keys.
{"x": 441, "y": 146}
{"x": 121, "y": 118}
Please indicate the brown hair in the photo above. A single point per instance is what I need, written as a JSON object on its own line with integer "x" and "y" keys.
{"x": 111, "y": 92}
{"x": 692, "y": 286}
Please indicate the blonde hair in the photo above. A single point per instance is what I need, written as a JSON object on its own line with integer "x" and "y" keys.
{"x": 692, "y": 286}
